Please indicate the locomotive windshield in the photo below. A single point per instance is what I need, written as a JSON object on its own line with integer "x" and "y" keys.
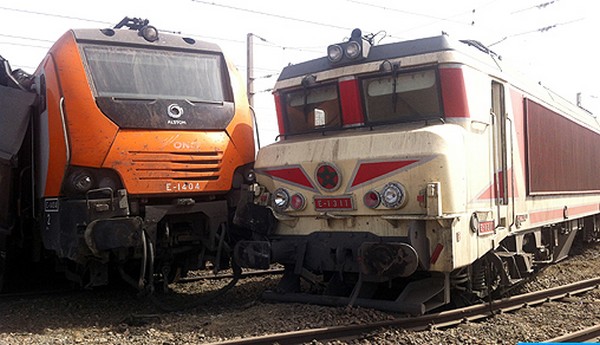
{"x": 131, "y": 73}
{"x": 311, "y": 109}
{"x": 389, "y": 98}
{"x": 404, "y": 97}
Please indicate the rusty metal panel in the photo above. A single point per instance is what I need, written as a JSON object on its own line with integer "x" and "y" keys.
{"x": 562, "y": 155}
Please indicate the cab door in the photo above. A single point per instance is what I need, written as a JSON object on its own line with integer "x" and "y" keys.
{"x": 502, "y": 157}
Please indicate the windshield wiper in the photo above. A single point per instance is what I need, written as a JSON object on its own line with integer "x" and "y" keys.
{"x": 394, "y": 71}
{"x": 204, "y": 101}
{"x": 133, "y": 99}
{"x": 307, "y": 81}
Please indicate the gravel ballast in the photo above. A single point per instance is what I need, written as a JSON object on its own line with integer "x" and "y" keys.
{"x": 118, "y": 316}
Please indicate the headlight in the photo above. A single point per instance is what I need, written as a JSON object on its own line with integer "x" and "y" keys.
{"x": 81, "y": 181}
{"x": 250, "y": 176}
{"x": 149, "y": 32}
{"x": 372, "y": 199}
{"x": 353, "y": 50}
{"x": 334, "y": 53}
{"x": 281, "y": 199}
{"x": 298, "y": 202}
{"x": 393, "y": 195}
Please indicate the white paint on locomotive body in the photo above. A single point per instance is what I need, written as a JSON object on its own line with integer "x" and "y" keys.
{"x": 435, "y": 163}
{"x": 466, "y": 164}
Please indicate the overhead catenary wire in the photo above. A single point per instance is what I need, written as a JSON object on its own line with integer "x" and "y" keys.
{"x": 273, "y": 15}
{"x": 424, "y": 15}
{"x": 540, "y": 30}
{"x": 538, "y": 6}
{"x": 276, "y": 45}
{"x": 91, "y": 20}
{"x": 54, "y": 15}
{"x": 24, "y": 45}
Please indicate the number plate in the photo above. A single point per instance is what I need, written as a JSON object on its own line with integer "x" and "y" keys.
{"x": 486, "y": 228}
{"x": 326, "y": 203}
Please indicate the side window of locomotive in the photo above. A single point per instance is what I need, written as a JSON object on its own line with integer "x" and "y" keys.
{"x": 313, "y": 109}
{"x": 407, "y": 97}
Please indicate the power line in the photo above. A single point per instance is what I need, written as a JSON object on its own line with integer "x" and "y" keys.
{"x": 274, "y": 15}
{"x": 205, "y": 37}
{"x": 404, "y": 11}
{"x": 24, "y": 45}
{"x": 539, "y": 7}
{"x": 26, "y": 38}
{"x": 276, "y": 45}
{"x": 272, "y": 72}
{"x": 541, "y": 30}
{"x": 53, "y": 15}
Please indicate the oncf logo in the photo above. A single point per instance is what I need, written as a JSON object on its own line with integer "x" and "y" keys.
{"x": 328, "y": 176}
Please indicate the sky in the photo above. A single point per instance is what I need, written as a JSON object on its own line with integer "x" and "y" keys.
{"x": 553, "y": 42}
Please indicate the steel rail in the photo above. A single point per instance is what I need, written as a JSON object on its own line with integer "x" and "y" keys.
{"x": 246, "y": 274}
{"x": 438, "y": 320}
{"x": 585, "y": 335}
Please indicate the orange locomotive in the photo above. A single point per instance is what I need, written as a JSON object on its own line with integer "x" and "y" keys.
{"x": 134, "y": 153}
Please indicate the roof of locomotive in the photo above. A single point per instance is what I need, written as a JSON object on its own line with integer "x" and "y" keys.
{"x": 132, "y": 37}
{"x": 376, "y": 53}
{"x": 437, "y": 44}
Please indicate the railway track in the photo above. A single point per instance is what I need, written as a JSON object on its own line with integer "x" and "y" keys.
{"x": 245, "y": 274}
{"x": 438, "y": 320}
{"x": 590, "y": 334}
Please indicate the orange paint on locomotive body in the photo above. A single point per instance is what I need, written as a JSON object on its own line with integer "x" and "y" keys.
{"x": 95, "y": 141}
{"x": 140, "y": 147}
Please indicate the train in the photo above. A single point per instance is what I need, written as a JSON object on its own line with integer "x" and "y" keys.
{"x": 417, "y": 175}
{"x": 124, "y": 154}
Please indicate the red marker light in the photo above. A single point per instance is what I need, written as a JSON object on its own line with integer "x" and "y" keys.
{"x": 298, "y": 202}
{"x": 372, "y": 199}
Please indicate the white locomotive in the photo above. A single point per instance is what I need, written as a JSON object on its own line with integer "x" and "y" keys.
{"x": 413, "y": 174}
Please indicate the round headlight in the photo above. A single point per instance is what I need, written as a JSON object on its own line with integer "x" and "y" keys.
{"x": 150, "y": 33}
{"x": 334, "y": 53}
{"x": 393, "y": 195}
{"x": 298, "y": 202}
{"x": 281, "y": 199}
{"x": 372, "y": 199}
{"x": 82, "y": 181}
{"x": 250, "y": 176}
{"x": 353, "y": 50}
